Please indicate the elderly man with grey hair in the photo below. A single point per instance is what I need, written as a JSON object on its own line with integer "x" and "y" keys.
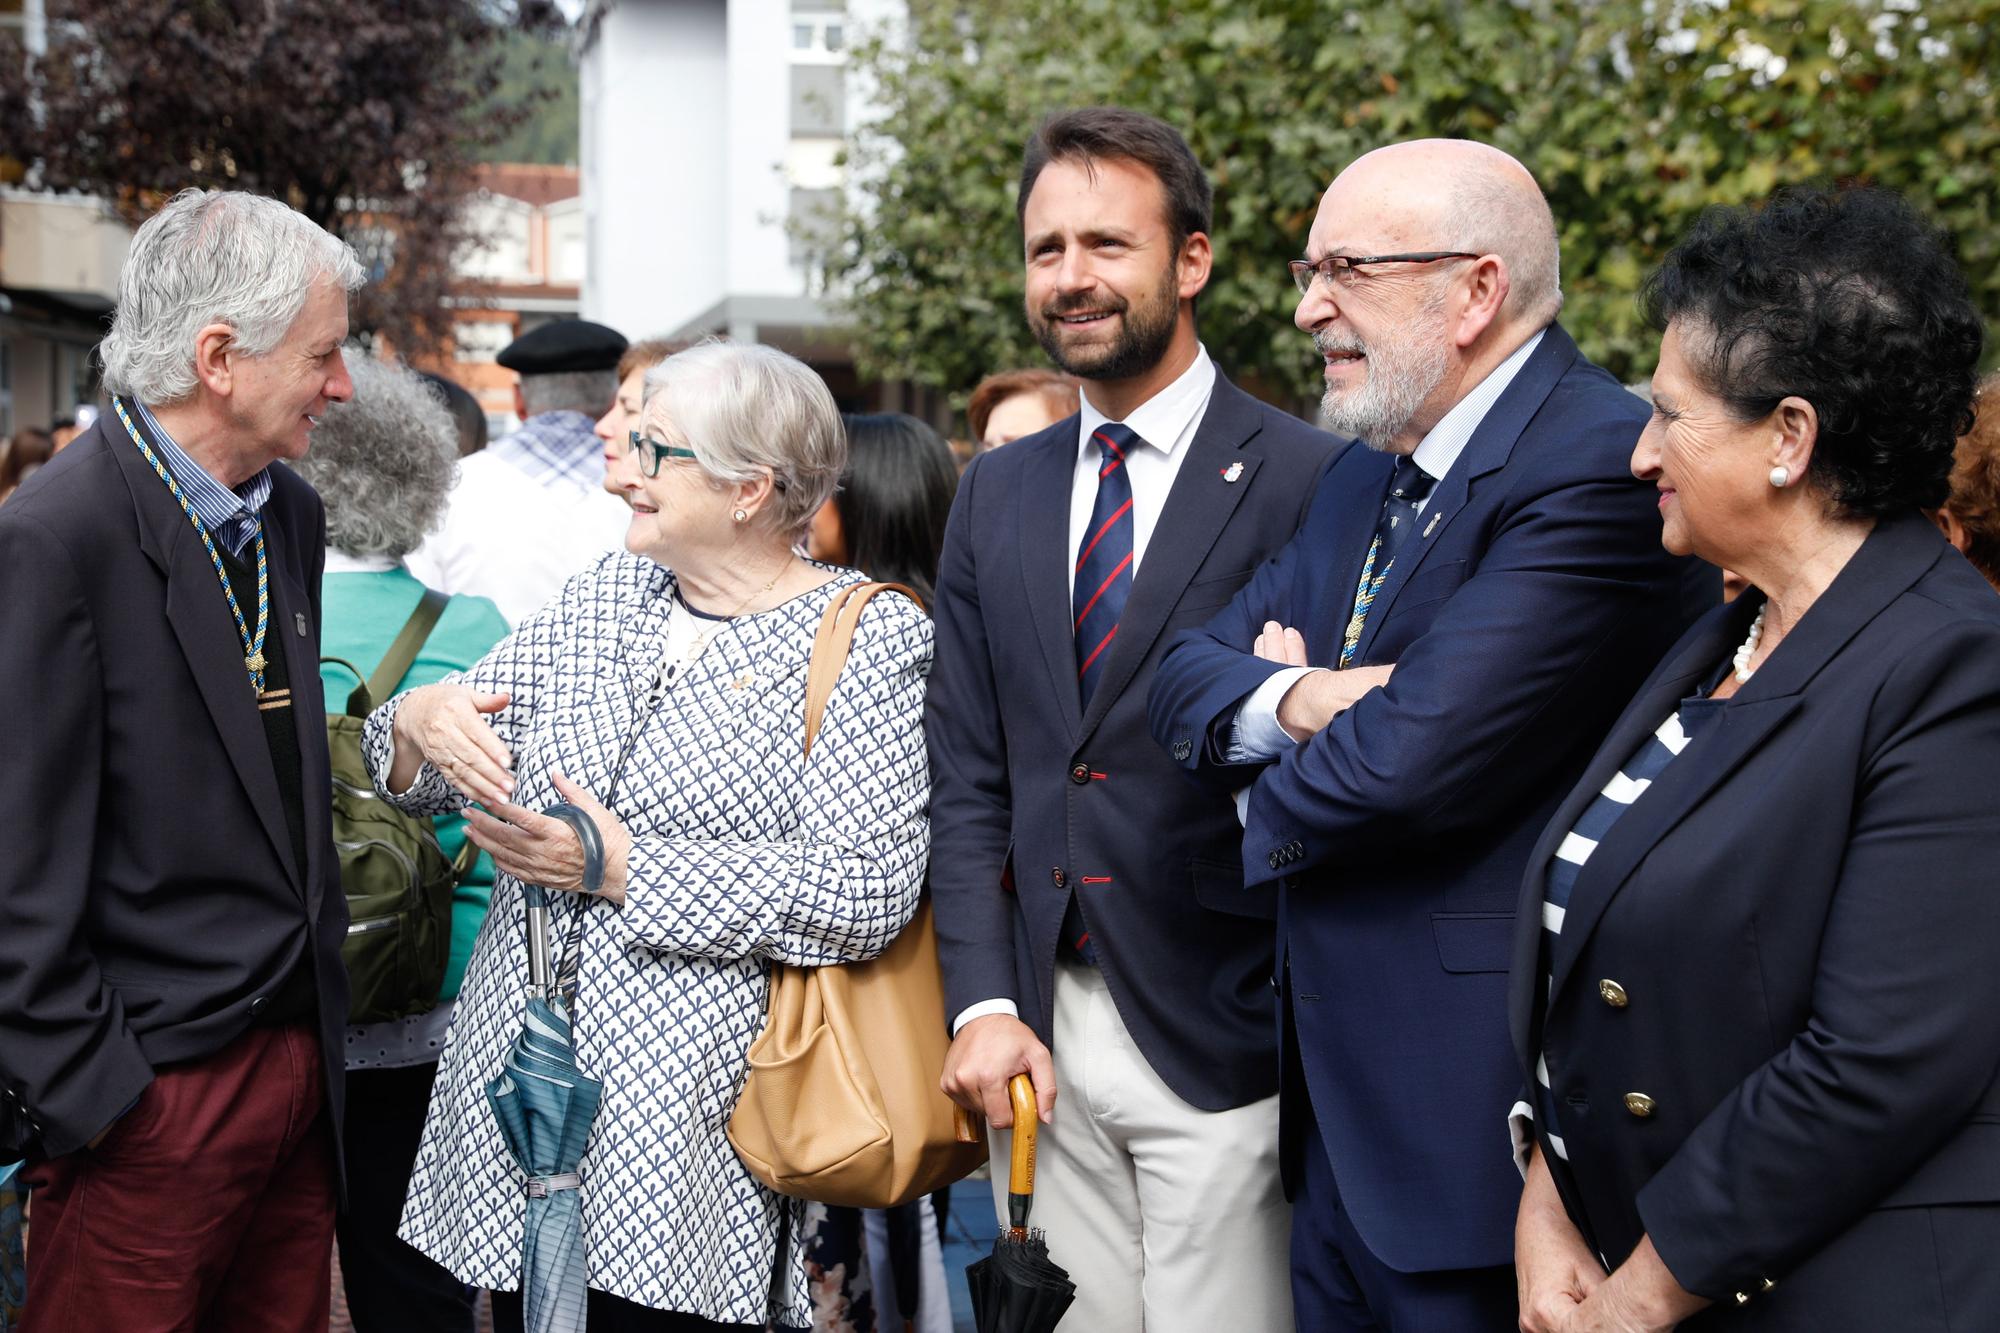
{"x": 171, "y": 995}
{"x": 663, "y": 694}
{"x": 1404, "y": 693}
{"x": 383, "y": 462}
{"x": 533, "y": 508}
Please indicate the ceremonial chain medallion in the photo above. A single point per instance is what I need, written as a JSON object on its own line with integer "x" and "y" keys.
{"x": 253, "y": 644}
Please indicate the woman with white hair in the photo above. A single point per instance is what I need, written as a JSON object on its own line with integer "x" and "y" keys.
{"x": 663, "y": 693}
{"x": 383, "y": 463}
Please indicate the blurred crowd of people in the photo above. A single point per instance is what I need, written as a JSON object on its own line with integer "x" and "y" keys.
{"x": 1423, "y": 892}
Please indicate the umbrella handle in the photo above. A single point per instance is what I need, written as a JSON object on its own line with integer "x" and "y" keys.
{"x": 1021, "y": 1166}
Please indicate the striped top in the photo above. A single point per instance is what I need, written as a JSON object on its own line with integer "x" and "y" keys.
{"x": 1618, "y": 795}
{"x": 230, "y": 516}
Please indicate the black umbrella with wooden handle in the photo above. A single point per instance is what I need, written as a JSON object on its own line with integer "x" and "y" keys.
{"x": 1018, "y": 1288}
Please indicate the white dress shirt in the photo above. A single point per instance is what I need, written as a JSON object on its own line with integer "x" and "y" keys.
{"x": 1257, "y": 734}
{"x": 1166, "y": 422}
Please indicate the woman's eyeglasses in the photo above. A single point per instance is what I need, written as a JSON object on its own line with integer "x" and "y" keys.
{"x": 653, "y": 453}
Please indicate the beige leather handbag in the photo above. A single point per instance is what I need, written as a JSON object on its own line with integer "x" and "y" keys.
{"x": 842, "y": 1104}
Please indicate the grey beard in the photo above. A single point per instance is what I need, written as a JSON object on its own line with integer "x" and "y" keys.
{"x": 1400, "y": 379}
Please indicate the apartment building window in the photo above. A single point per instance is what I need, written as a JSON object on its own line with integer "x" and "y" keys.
{"x": 816, "y": 33}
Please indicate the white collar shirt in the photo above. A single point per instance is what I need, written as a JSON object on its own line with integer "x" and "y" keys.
{"x": 1166, "y": 422}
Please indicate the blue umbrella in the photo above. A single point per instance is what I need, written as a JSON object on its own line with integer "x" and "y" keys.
{"x": 545, "y": 1106}
{"x": 13, "y": 1258}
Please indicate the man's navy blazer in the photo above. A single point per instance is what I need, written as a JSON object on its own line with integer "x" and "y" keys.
{"x": 149, "y": 900}
{"x": 1082, "y": 799}
{"x": 1532, "y": 599}
{"x": 1802, "y": 913}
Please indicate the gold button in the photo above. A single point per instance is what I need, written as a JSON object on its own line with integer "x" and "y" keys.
{"x": 1639, "y": 1104}
{"x": 1613, "y": 993}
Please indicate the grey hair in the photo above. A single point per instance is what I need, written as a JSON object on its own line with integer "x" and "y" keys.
{"x": 384, "y": 461}
{"x": 587, "y": 391}
{"x": 1495, "y": 213}
{"x": 746, "y": 410}
{"x": 214, "y": 257}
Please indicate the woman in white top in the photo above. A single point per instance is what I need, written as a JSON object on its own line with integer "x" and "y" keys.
{"x": 725, "y": 849}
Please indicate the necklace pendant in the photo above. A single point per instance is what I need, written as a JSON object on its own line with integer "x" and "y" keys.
{"x": 255, "y": 661}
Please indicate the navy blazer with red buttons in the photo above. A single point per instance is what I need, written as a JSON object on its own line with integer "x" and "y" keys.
{"x": 1802, "y": 913}
{"x": 1532, "y": 599}
{"x": 1080, "y": 798}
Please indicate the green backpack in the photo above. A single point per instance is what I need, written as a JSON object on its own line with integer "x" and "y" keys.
{"x": 397, "y": 878}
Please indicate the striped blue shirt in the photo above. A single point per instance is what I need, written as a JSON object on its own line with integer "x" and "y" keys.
{"x": 1618, "y": 795}
{"x": 230, "y": 516}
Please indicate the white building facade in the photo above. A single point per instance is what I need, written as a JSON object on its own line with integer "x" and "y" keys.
{"x": 708, "y": 126}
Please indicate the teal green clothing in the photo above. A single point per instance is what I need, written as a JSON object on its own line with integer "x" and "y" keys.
{"x": 362, "y": 614}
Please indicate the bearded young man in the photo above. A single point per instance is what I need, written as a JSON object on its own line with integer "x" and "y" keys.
{"x": 1122, "y": 963}
{"x": 1406, "y": 692}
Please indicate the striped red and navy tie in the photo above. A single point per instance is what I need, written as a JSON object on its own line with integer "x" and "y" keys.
{"x": 1104, "y": 558}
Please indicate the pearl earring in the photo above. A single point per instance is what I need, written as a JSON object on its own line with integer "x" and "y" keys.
{"x": 742, "y": 516}
{"x": 1781, "y": 477}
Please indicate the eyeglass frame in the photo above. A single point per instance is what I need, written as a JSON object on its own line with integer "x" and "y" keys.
{"x": 655, "y": 452}
{"x": 1326, "y": 267}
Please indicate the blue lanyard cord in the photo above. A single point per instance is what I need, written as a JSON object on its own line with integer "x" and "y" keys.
{"x": 1364, "y": 597}
{"x": 253, "y": 645}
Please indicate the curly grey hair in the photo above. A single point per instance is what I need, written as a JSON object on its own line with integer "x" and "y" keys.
{"x": 213, "y": 257}
{"x": 745, "y": 410}
{"x": 383, "y": 462}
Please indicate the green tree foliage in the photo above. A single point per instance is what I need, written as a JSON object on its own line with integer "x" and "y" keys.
{"x": 1634, "y": 115}
{"x": 536, "y": 69}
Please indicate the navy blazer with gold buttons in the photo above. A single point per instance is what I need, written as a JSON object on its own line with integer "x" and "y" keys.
{"x": 1789, "y": 948}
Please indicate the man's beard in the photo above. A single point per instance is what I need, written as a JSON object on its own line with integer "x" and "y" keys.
{"x": 1401, "y": 372}
{"x": 1145, "y": 331}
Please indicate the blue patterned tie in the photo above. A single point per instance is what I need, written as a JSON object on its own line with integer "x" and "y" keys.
{"x": 1409, "y": 487}
{"x": 1104, "y": 557}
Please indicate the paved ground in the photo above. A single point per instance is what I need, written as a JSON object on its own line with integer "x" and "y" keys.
{"x": 969, "y": 1233}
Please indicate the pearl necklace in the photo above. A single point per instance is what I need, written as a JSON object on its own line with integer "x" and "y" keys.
{"x": 1749, "y": 648}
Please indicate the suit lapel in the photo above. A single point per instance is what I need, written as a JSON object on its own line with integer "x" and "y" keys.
{"x": 1046, "y": 559}
{"x": 201, "y": 622}
{"x": 1492, "y": 443}
{"x": 1358, "y": 485}
{"x": 1198, "y": 507}
{"x": 1893, "y": 557}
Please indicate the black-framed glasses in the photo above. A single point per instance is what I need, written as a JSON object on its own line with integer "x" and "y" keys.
{"x": 1340, "y": 271}
{"x": 653, "y": 453}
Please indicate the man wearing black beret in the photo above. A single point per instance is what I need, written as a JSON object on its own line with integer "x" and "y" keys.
{"x": 530, "y": 510}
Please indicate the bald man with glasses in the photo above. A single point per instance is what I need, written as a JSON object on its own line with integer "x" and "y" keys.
{"x": 1402, "y": 695}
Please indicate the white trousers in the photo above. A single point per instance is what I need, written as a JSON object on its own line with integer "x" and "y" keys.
{"x": 1169, "y": 1219}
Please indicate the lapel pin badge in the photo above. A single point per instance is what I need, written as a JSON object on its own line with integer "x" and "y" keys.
{"x": 1233, "y": 473}
{"x": 1431, "y": 526}
{"x": 299, "y": 620}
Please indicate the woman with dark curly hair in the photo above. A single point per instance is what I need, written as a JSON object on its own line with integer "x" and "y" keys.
{"x": 1755, "y": 980}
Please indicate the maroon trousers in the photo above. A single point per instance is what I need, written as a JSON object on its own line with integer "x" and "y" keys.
{"x": 207, "y": 1207}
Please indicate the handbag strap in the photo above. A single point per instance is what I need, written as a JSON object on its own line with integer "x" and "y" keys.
{"x": 402, "y": 654}
{"x": 830, "y": 645}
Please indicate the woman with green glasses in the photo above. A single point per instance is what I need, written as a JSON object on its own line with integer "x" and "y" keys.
{"x": 664, "y": 693}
